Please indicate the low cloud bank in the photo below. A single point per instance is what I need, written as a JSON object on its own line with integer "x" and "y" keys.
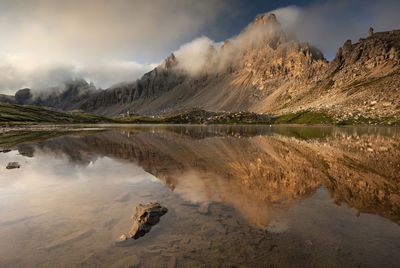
{"x": 44, "y": 42}
{"x": 17, "y": 73}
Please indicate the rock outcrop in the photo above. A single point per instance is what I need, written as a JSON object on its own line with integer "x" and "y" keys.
{"x": 13, "y": 165}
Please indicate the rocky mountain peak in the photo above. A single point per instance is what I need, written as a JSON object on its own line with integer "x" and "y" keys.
{"x": 266, "y": 19}
{"x": 169, "y": 62}
{"x": 226, "y": 44}
{"x": 265, "y": 30}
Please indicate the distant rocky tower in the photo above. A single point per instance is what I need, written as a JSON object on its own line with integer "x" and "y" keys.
{"x": 370, "y": 31}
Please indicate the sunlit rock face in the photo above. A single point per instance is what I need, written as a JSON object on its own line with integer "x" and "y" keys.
{"x": 261, "y": 176}
{"x": 258, "y": 70}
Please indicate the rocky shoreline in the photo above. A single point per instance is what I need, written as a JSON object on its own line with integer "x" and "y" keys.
{"x": 197, "y": 116}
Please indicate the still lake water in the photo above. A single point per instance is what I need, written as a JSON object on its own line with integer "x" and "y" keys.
{"x": 238, "y": 196}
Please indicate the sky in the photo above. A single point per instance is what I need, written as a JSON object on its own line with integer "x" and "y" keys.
{"x": 43, "y": 43}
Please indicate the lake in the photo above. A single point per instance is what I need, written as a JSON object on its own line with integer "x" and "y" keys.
{"x": 237, "y": 196}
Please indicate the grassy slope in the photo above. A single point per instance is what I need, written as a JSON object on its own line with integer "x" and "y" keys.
{"x": 13, "y": 113}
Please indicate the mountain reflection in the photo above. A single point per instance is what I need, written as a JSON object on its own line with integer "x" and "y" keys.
{"x": 261, "y": 171}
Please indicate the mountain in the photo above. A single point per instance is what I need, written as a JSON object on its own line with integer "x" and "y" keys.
{"x": 17, "y": 114}
{"x": 262, "y": 70}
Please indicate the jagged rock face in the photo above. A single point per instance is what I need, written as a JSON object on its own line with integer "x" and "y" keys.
{"x": 367, "y": 57}
{"x": 121, "y": 98}
{"x": 273, "y": 60}
{"x": 362, "y": 80}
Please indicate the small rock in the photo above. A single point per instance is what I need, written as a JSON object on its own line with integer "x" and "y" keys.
{"x": 13, "y": 165}
{"x": 146, "y": 216}
{"x": 308, "y": 243}
{"x": 387, "y": 104}
{"x": 383, "y": 149}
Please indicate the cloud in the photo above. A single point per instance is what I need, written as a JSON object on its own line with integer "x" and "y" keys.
{"x": 41, "y": 75}
{"x": 99, "y": 39}
{"x": 97, "y": 28}
{"x": 109, "y": 72}
{"x": 197, "y": 56}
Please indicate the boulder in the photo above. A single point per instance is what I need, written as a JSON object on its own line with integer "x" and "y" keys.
{"x": 146, "y": 216}
{"x": 13, "y": 165}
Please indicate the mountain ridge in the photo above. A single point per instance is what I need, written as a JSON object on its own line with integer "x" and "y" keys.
{"x": 262, "y": 70}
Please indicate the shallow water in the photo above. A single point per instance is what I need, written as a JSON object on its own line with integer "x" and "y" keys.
{"x": 238, "y": 196}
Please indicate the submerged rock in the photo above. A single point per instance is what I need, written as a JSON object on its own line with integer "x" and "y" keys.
{"x": 13, "y": 165}
{"x": 146, "y": 216}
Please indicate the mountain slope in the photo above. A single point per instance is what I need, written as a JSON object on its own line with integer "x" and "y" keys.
{"x": 259, "y": 63}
